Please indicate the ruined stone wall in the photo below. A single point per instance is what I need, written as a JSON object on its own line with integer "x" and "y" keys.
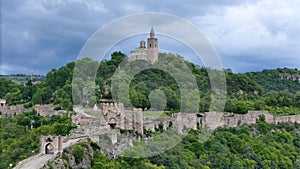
{"x": 180, "y": 121}
{"x": 184, "y": 121}
{"x": 43, "y": 110}
{"x": 12, "y": 110}
{"x": 124, "y": 119}
{"x": 152, "y": 124}
{"x": 134, "y": 120}
{"x": 213, "y": 119}
{"x": 138, "y": 119}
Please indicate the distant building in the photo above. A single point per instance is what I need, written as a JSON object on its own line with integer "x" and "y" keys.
{"x": 149, "y": 53}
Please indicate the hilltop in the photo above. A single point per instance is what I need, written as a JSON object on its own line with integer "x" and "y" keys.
{"x": 273, "y": 90}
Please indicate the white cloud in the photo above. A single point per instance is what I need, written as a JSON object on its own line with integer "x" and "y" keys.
{"x": 265, "y": 30}
{"x": 131, "y": 7}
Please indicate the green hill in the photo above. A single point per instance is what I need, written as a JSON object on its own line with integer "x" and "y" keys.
{"x": 277, "y": 79}
{"x": 273, "y": 90}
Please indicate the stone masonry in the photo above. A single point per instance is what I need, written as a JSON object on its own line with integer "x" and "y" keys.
{"x": 51, "y": 144}
{"x": 116, "y": 116}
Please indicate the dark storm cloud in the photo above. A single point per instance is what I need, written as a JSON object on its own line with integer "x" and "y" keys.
{"x": 38, "y": 35}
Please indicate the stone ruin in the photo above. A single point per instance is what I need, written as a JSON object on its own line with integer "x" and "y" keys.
{"x": 116, "y": 116}
{"x": 42, "y": 110}
{"x": 2, "y": 102}
{"x": 213, "y": 119}
{"x": 113, "y": 116}
{"x": 51, "y": 144}
{"x": 286, "y": 76}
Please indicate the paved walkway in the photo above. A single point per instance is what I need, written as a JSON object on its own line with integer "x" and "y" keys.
{"x": 39, "y": 160}
{"x": 35, "y": 162}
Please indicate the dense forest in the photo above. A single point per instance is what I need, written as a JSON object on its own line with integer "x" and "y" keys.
{"x": 263, "y": 90}
{"x": 20, "y": 134}
{"x": 260, "y": 145}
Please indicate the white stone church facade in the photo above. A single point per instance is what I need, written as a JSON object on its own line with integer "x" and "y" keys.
{"x": 149, "y": 53}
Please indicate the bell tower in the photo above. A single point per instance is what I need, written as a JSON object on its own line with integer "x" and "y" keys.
{"x": 152, "y": 47}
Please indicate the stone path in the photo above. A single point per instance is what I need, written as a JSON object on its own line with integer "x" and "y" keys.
{"x": 81, "y": 112}
{"x": 35, "y": 162}
{"x": 39, "y": 160}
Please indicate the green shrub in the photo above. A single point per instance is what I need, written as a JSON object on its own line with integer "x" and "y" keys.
{"x": 78, "y": 153}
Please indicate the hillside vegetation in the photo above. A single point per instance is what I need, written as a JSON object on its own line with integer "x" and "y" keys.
{"x": 20, "y": 134}
{"x": 245, "y": 91}
{"x": 260, "y": 145}
{"x": 271, "y": 80}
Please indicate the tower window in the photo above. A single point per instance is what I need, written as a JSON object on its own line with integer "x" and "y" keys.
{"x": 150, "y": 44}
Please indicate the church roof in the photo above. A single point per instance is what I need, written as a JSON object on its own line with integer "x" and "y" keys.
{"x": 152, "y": 33}
{"x": 152, "y": 30}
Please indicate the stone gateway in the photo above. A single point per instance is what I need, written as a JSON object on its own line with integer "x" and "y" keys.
{"x": 51, "y": 144}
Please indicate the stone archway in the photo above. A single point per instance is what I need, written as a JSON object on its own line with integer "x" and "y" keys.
{"x": 49, "y": 148}
{"x": 51, "y": 144}
{"x": 113, "y": 123}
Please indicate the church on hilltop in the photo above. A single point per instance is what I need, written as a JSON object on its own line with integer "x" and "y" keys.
{"x": 149, "y": 53}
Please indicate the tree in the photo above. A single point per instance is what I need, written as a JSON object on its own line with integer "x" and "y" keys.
{"x": 76, "y": 94}
{"x": 92, "y": 100}
{"x": 13, "y": 97}
{"x": 42, "y": 96}
{"x": 157, "y": 100}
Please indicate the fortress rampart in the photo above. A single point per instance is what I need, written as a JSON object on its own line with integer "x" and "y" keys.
{"x": 213, "y": 119}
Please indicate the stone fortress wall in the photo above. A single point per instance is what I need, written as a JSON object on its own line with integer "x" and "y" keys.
{"x": 43, "y": 110}
{"x": 213, "y": 119}
{"x": 115, "y": 116}
{"x": 286, "y": 76}
{"x": 134, "y": 120}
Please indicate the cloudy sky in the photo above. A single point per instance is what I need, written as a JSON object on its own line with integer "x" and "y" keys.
{"x": 248, "y": 35}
